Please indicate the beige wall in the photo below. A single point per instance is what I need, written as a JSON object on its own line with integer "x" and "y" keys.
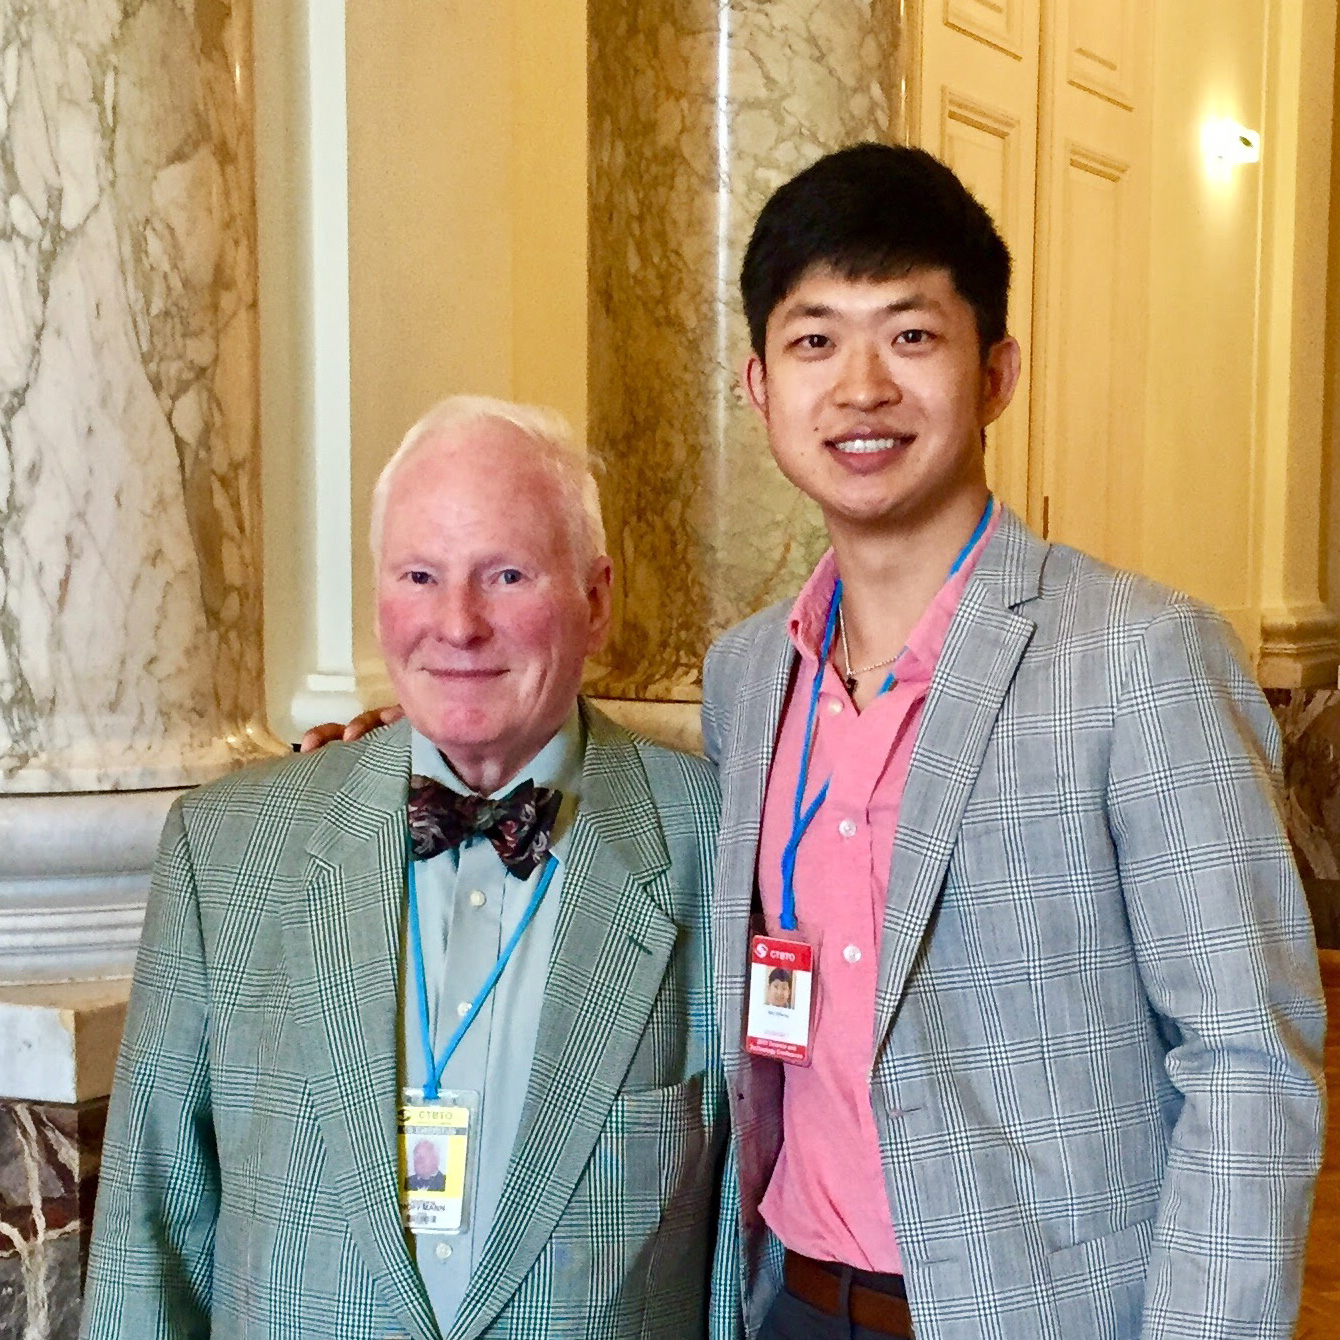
{"x": 1203, "y": 365}
{"x": 1237, "y": 463}
{"x": 467, "y": 218}
{"x": 466, "y": 255}
{"x": 1179, "y": 311}
{"x": 1331, "y": 427}
{"x": 548, "y": 196}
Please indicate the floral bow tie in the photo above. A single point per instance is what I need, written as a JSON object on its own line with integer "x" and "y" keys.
{"x": 518, "y": 825}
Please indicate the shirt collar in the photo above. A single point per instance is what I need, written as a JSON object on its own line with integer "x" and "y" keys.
{"x": 809, "y": 614}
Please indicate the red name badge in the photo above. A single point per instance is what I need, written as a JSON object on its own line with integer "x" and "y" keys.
{"x": 781, "y": 999}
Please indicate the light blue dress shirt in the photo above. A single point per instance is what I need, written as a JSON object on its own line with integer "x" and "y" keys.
{"x": 468, "y": 908}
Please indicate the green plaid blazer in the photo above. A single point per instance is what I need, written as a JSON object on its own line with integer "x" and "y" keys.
{"x": 1097, "y": 1044}
{"x": 249, "y": 1175}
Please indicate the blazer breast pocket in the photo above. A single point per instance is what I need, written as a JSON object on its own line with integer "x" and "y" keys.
{"x": 665, "y": 1159}
{"x": 656, "y": 1143}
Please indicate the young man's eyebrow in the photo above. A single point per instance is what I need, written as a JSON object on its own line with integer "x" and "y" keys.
{"x": 812, "y": 311}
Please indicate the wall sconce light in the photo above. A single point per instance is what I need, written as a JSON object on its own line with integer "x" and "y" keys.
{"x": 1225, "y": 144}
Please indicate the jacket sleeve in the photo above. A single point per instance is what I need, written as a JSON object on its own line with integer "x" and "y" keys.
{"x": 151, "y": 1259}
{"x": 713, "y": 725}
{"x": 1226, "y": 954}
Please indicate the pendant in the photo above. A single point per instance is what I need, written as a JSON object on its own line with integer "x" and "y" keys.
{"x": 850, "y": 682}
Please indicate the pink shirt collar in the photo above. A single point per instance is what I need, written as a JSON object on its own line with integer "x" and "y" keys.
{"x": 916, "y": 664}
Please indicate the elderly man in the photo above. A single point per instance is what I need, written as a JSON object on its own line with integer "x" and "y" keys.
{"x": 481, "y": 934}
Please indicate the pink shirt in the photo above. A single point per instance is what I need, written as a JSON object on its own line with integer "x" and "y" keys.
{"x": 827, "y": 1197}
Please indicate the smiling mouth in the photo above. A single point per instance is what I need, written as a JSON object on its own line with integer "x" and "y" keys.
{"x": 868, "y": 446}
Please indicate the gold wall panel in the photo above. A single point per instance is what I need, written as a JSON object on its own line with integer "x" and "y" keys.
{"x": 698, "y": 111}
{"x": 1102, "y": 49}
{"x": 999, "y": 23}
{"x": 1087, "y": 350}
{"x": 977, "y": 108}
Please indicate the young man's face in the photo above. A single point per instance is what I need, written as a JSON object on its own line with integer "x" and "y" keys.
{"x": 875, "y": 394}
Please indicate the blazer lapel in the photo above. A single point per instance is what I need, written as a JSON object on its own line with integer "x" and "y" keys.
{"x": 744, "y": 765}
{"x": 613, "y": 943}
{"x": 981, "y": 654}
{"x": 342, "y": 936}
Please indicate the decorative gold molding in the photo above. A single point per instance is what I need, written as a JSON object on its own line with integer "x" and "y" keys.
{"x": 1300, "y": 648}
{"x": 999, "y": 24}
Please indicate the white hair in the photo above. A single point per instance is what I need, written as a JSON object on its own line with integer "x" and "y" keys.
{"x": 556, "y": 448}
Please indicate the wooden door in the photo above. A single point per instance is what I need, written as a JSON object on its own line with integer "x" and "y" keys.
{"x": 1091, "y": 276}
{"x": 975, "y": 104}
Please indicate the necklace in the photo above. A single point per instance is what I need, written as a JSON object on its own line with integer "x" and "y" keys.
{"x": 850, "y": 678}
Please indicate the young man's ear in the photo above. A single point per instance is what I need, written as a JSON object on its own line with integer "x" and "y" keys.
{"x": 754, "y": 379}
{"x": 1001, "y": 375}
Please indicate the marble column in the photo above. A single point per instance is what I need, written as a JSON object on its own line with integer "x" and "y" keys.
{"x": 130, "y": 584}
{"x": 699, "y": 109}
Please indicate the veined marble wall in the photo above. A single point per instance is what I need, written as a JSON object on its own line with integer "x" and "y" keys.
{"x": 699, "y": 109}
{"x": 49, "y": 1160}
{"x": 130, "y": 579}
{"x": 130, "y": 620}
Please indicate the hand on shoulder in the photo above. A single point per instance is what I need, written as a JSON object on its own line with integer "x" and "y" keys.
{"x": 329, "y": 731}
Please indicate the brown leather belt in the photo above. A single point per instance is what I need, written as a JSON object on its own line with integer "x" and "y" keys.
{"x": 820, "y": 1285}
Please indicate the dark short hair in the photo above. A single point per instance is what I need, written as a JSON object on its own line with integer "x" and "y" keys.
{"x": 876, "y": 211}
{"x": 780, "y": 975}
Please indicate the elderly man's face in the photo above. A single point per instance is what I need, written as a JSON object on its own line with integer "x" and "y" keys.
{"x": 485, "y": 614}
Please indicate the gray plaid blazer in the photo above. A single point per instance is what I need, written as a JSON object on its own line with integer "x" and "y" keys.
{"x": 1097, "y": 1047}
{"x": 249, "y": 1175}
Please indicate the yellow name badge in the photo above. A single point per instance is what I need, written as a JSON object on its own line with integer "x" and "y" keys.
{"x": 435, "y": 1142}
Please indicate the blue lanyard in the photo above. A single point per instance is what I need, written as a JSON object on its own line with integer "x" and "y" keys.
{"x": 802, "y": 815}
{"x": 434, "y": 1068}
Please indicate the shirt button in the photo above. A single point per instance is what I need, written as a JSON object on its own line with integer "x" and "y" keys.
{"x": 834, "y": 706}
{"x": 463, "y": 1008}
{"x": 477, "y": 899}
{"x": 847, "y": 828}
{"x": 852, "y": 954}
{"x": 442, "y": 1251}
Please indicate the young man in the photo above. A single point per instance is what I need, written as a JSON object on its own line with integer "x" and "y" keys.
{"x": 1062, "y": 1076}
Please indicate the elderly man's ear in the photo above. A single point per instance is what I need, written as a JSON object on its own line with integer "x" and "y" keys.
{"x": 329, "y": 731}
{"x": 600, "y": 598}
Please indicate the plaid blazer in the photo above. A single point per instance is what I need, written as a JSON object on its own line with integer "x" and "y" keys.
{"x": 1097, "y": 1045}
{"x": 249, "y": 1175}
